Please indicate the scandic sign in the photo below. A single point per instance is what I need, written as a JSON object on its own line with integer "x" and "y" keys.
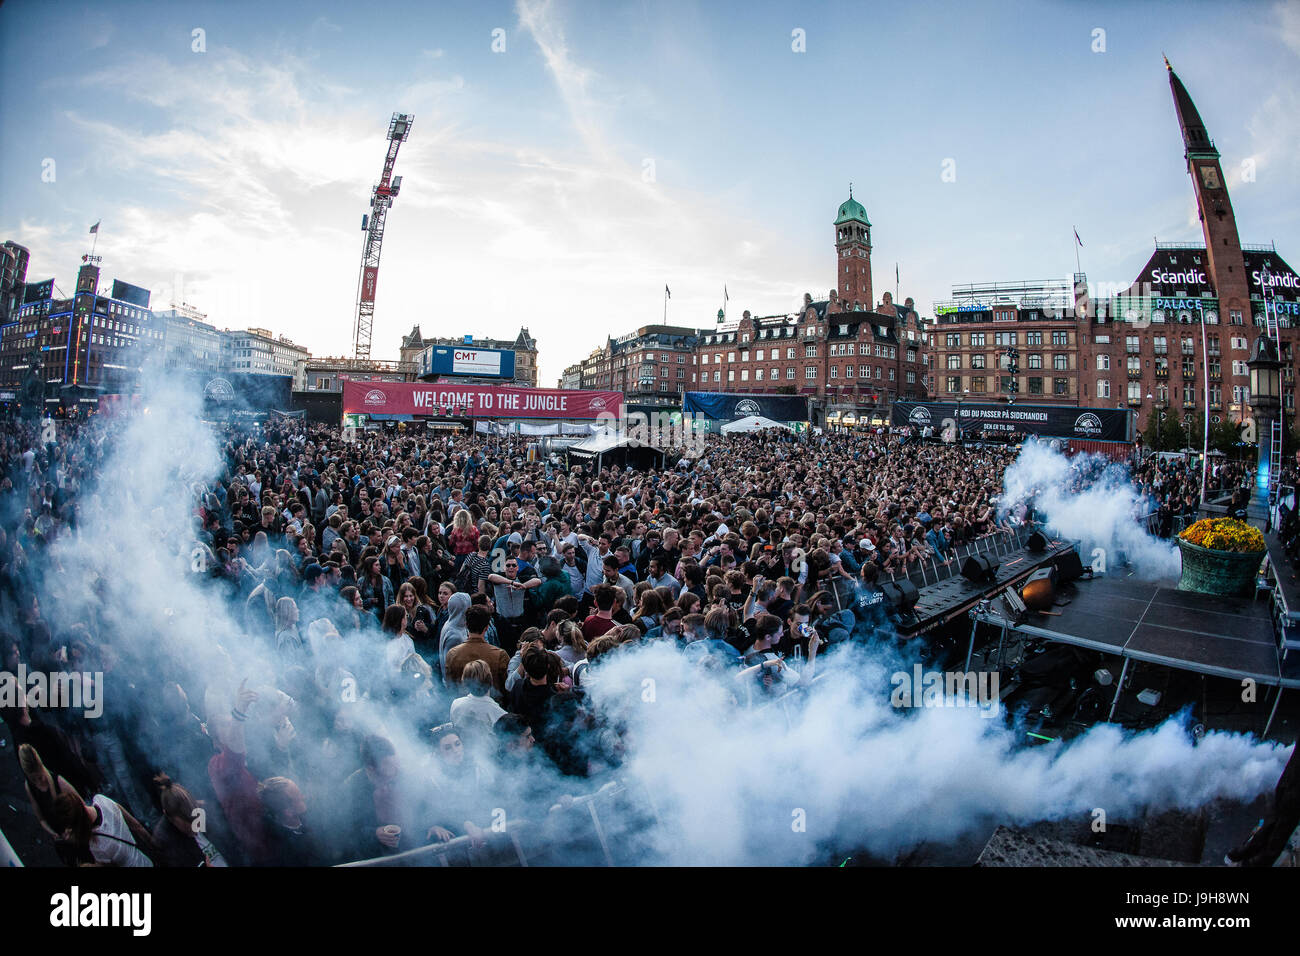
{"x": 478, "y": 401}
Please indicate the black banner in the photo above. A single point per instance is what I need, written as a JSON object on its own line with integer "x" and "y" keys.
{"x": 1048, "y": 421}
{"x": 729, "y": 406}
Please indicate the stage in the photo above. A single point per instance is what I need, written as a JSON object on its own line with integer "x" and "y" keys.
{"x": 1153, "y": 622}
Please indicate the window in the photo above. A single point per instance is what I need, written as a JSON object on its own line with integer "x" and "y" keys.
{"x": 848, "y": 371}
{"x": 978, "y": 361}
{"x": 731, "y": 375}
{"x": 911, "y": 378}
{"x": 835, "y": 371}
{"x": 1033, "y": 338}
{"x": 758, "y": 375}
{"x": 776, "y": 373}
{"x": 744, "y": 375}
{"x": 810, "y": 351}
{"x": 1035, "y": 385}
{"x": 1189, "y": 346}
{"x": 1135, "y": 391}
{"x": 717, "y": 376}
{"x": 1160, "y": 344}
{"x": 1103, "y": 363}
{"x": 717, "y": 358}
{"x": 977, "y": 339}
{"x": 810, "y": 372}
{"x": 978, "y": 383}
{"x": 1239, "y": 368}
{"x": 744, "y": 356}
{"x": 1239, "y": 343}
{"x": 789, "y": 371}
{"x": 864, "y": 371}
{"x": 877, "y": 371}
{"x": 1103, "y": 388}
{"x": 954, "y": 340}
{"x": 954, "y": 361}
{"x": 789, "y": 353}
{"x": 1060, "y": 362}
{"x": 954, "y": 383}
{"x": 1061, "y": 337}
{"x": 1134, "y": 364}
{"x": 891, "y": 374}
{"x": 758, "y": 357}
{"x": 1004, "y": 338}
{"x": 1035, "y": 360}
{"x": 1234, "y": 317}
{"x": 1060, "y": 386}
{"x": 1189, "y": 394}
{"x": 1133, "y": 343}
{"x": 731, "y": 356}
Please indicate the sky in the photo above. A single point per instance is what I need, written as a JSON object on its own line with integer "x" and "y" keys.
{"x": 569, "y": 160}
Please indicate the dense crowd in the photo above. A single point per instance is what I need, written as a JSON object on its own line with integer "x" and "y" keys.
{"x": 472, "y": 593}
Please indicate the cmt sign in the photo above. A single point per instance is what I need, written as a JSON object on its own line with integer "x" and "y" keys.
{"x": 467, "y": 360}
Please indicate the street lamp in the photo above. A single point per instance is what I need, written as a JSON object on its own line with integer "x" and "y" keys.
{"x": 960, "y": 398}
{"x": 1266, "y": 401}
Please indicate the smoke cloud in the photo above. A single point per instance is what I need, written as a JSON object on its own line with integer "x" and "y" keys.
{"x": 836, "y": 768}
{"x": 1090, "y": 499}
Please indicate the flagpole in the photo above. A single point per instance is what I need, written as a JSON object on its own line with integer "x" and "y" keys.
{"x": 665, "y": 305}
{"x": 1077, "y": 268}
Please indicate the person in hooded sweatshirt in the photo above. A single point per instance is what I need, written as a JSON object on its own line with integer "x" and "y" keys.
{"x": 454, "y": 631}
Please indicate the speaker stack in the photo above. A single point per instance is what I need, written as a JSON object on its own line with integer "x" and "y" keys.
{"x": 980, "y": 568}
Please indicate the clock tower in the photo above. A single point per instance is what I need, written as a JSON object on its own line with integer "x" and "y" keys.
{"x": 1227, "y": 266}
{"x": 853, "y": 254}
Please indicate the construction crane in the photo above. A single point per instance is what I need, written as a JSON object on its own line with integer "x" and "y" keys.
{"x": 372, "y": 224}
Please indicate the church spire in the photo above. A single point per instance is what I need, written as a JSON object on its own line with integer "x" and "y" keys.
{"x": 1195, "y": 138}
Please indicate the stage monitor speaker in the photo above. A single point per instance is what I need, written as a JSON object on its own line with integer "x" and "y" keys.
{"x": 1068, "y": 566}
{"x": 980, "y": 568}
{"x": 1040, "y": 589}
{"x": 901, "y": 595}
{"x": 1036, "y": 542}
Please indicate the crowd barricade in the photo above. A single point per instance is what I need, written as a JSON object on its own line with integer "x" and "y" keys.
{"x": 606, "y": 827}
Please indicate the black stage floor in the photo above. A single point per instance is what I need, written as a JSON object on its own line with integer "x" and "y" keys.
{"x": 1155, "y": 622}
{"x": 937, "y": 603}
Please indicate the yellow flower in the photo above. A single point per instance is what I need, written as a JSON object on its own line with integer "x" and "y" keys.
{"x": 1225, "y": 534}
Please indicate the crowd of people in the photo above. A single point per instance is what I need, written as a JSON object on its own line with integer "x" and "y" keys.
{"x": 467, "y": 595}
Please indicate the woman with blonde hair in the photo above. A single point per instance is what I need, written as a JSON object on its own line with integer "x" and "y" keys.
{"x": 573, "y": 646}
{"x": 288, "y": 642}
{"x": 43, "y": 787}
{"x": 464, "y": 536}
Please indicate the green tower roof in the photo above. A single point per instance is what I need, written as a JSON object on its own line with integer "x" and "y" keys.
{"x": 851, "y": 210}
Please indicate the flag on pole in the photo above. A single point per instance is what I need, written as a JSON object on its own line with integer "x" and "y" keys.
{"x": 94, "y": 230}
{"x": 725, "y": 297}
{"x": 1077, "y": 239}
{"x": 667, "y": 291}
{"x": 895, "y": 273}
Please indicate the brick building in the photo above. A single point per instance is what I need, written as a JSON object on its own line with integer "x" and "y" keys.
{"x": 651, "y": 366}
{"x": 1178, "y": 335}
{"x": 852, "y": 359}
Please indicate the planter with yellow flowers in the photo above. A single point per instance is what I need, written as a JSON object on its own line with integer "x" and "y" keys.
{"x": 1220, "y": 556}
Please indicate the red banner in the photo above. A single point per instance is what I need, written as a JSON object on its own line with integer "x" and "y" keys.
{"x": 369, "y": 276}
{"x": 477, "y": 401}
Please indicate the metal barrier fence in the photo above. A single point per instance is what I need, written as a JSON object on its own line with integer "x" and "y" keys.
{"x": 933, "y": 571}
{"x": 604, "y": 827}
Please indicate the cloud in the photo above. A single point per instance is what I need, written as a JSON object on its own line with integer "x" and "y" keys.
{"x": 242, "y": 182}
